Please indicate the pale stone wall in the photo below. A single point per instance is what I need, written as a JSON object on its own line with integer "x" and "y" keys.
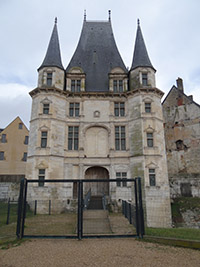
{"x": 97, "y": 148}
{"x": 57, "y": 78}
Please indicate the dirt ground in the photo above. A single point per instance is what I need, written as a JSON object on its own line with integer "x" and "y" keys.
{"x": 96, "y": 252}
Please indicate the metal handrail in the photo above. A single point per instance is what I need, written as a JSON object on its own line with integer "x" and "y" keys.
{"x": 87, "y": 199}
{"x": 104, "y": 202}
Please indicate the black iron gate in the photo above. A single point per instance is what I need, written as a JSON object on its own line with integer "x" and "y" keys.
{"x": 118, "y": 213}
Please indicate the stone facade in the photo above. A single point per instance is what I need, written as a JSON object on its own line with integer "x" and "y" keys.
{"x": 182, "y": 135}
{"x": 99, "y": 135}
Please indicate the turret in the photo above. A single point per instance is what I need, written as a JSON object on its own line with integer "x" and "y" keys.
{"x": 142, "y": 72}
{"x": 51, "y": 72}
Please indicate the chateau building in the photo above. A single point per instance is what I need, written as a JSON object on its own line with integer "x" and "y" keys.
{"x": 97, "y": 119}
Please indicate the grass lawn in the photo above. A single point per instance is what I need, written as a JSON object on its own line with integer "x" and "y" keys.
{"x": 179, "y": 233}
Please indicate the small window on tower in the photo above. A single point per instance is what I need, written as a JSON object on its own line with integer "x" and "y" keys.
{"x": 49, "y": 78}
{"x": 148, "y": 107}
{"x": 45, "y": 108}
{"x": 144, "y": 79}
{"x": 150, "y": 139}
{"x": 152, "y": 177}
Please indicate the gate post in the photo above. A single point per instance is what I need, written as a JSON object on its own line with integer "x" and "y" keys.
{"x": 141, "y": 212}
{"x": 80, "y": 210}
{"x": 136, "y": 208}
{"x": 20, "y": 209}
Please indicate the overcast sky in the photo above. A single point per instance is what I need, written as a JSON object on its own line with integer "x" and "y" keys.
{"x": 171, "y": 29}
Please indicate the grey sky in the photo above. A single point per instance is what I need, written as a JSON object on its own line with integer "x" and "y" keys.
{"x": 170, "y": 29}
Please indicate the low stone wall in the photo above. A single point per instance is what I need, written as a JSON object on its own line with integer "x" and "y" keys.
{"x": 185, "y": 185}
{"x": 9, "y": 186}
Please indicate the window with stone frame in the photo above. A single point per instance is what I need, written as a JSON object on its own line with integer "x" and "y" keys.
{"x": 152, "y": 177}
{"x": 74, "y": 109}
{"x": 144, "y": 79}
{"x": 24, "y": 156}
{"x": 43, "y": 139}
{"x": 76, "y": 85}
{"x": 118, "y": 86}
{"x": 49, "y": 78}
{"x": 73, "y": 137}
{"x": 26, "y": 140}
{"x": 3, "y": 138}
{"x": 41, "y": 177}
{"x": 150, "y": 142}
{"x": 46, "y": 108}
{"x": 2, "y": 157}
{"x": 121, "y": 175}
{"x": 119, "y": 109}
{"x": 148, "y": 107}
{"x": 120, "y": 138}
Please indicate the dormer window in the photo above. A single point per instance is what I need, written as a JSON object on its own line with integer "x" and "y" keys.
{"x": 144, "y": 79}
{"x": 118, "y": 86}
{"x": 49, "y": 78}
{"x": 76, "y": 85}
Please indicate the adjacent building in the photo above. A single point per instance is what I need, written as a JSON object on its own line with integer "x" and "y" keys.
{"x": 13, "y": 157}
{"x": 98, "y": 119}
{"x": 182, "y": 137}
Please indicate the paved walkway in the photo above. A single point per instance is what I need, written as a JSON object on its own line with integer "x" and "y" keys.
{"x": 96, "y": 222}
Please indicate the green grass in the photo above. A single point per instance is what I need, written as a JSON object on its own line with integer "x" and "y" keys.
{"x": 179, "y": 233}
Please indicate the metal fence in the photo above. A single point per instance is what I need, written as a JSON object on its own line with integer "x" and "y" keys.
{"x": 87, "y": 208}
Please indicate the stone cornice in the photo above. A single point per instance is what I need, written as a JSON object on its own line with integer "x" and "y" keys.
{"x": 146, "y": 90}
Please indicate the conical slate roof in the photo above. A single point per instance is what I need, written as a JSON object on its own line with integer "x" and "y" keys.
{"x": 140, "y": 56}
{"x": 97, "y": 55}
{"x": 53, "y": 57}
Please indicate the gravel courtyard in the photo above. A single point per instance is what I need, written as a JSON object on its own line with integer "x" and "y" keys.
{"x": 96, "y": 252}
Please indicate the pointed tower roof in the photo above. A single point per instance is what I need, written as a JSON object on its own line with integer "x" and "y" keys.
{"x": 97, "y": 54}
{"x": 140, "y": 56}
{"x": 53, "y": 57}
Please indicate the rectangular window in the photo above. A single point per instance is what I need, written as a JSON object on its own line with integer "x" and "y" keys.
{"x": 148, "y": 107}
{"x": 45, "y": 108}
{"x": 41, "y": 177}
{"x": 73, "y": 137}
{"x": 49, "y": 78}
{"x": 3, "y": 138}
{"x": 74, "y": 109}
{"x": 150, "y": 139}
{"x": 118, "y": 86}
{"x": 20, "y": 126}
{"x": 144, "y": 79}
{"x": 121, "y": 175}
{"x": 26, "y": 140}
{"x": 75, "y": 85}
{"x": 44, "y": 139}
{"x": 120, "y": 138}
{"x": 152, "y": 177}
{"x": 2, "y": 155}
{"x": 119, "y": 109}
{"x": 24, "y": 156}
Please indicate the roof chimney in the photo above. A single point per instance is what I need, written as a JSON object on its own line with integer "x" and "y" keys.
{"x": 179, "y": 83}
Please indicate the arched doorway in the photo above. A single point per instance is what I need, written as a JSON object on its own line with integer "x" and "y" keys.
{"x": 97, "y": 188}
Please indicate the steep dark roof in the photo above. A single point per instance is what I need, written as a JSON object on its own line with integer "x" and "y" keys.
{"x": 53, "y": 57}
{"x": 97, "y": 54}
{"x": 140, "y": 56}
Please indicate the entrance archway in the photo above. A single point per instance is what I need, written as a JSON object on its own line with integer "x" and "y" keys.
{"x": 97, "y": 188}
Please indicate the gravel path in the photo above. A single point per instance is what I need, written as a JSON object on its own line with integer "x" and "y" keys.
{"x": 97, "y": 252}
